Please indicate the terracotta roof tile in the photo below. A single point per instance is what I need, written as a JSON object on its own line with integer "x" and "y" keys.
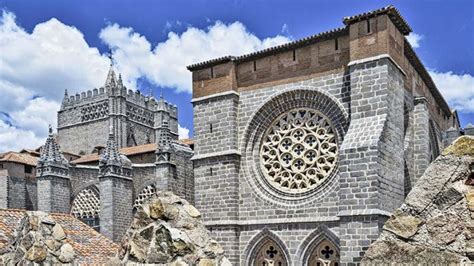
{"x": 126, "y": 151}
{"x": 187, "y": 141}
{"x": 90, "y": 246}
{"x": 24, "y": 158}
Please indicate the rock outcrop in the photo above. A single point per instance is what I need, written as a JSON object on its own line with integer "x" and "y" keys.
{"x": 435, "y": 224}
{"x": 168, "y": 230}
{"x": 38, "y": 239}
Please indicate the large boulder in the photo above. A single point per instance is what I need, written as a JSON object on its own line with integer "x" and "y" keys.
{"x": 38, "y": 239}
{"x": 435, "y": 224}
{"x": 168, "y": 230}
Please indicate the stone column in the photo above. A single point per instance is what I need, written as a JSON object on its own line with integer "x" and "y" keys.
{"x": 164, "y": 165}
{"x": 3, "y": 188}
{"x": 421, "y": 137}
{"x": 54, "y": 184}
{"x": 116, "y": 192}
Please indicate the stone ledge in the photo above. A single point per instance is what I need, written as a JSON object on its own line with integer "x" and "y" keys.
{"x": 221, "y": 94}
{"x": 143, "y": 165}
{"x": 85, "y": 166}
{"x": 275, "y": 221}
{"x": 376, "y": 58}
{"x": 364, "y": 212}
{"x": 215, "y": 154}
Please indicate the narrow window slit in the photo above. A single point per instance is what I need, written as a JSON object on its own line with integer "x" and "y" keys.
{"x": 210, "y": 127}
{"x": 254, "y": 65}
{"x": 294, "y": 55}
{"x": 368, "y": 26}
{"x": 212, "y": 72}
{"x": 336, "y": 44}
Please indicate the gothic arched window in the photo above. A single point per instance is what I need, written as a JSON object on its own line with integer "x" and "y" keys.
{"x": 270, "y": 254}
{"x": 325, "y": 254}
{"x": 145, "y": 194}
{"x": 86, "y": 206}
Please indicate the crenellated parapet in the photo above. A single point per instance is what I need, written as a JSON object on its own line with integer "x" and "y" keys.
{"x": 136, "y": 117}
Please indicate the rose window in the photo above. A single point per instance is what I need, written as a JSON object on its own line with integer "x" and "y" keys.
{"x": 299, "y": 150}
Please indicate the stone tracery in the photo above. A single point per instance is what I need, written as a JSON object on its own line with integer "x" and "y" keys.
{"x": 146, "y": 193}
{"x": 270, "y": 254}
{"x": 325, "y": 254}
{"x": 86, "y": 204}
{"x": 299, "y": 150}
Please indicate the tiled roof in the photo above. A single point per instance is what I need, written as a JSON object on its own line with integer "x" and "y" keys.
{"x": 31, "y": 152}
{"x": 126, "y": 151}
{"x": 187, "y": 141}
{"x": 272, "y": 50}
{"x": 90, "y": 246}
{"x": 23, "y": 158}
{"x": 392, "y": 13}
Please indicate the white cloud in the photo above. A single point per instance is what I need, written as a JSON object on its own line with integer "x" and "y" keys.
{"x": 12, "y": 138}
{"x": 35, "y": 69}
{"x": 414, "y": 39}
{"x": 183, "y": 132}
{"x": 458, "y": 90}
{"x": 165, "y": 63}
{"x": 37, "y": 66}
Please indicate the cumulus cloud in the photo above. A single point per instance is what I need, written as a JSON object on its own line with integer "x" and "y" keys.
{"x": 183, "y": 132}
{"x": 35, "y": 69}
{"x": 414, "y": 39}
{"x": 458, "y": 90}
{"x": 165, "y": 63}
{"x": 12, "y": 138}
{"x": 37, "y": 66}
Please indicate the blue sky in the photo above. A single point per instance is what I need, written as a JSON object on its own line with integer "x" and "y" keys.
{"x": 141, "y": 32}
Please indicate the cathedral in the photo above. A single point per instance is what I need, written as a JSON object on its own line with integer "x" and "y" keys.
{"x": 300, "y": 153}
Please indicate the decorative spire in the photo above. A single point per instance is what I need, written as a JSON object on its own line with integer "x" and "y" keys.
{"x": 66, "y": 95}
{"x": 110, "y": 55}
{"x": 111, "y": 154}
{"x": 151, "y": 94}
{"x": 111, "y": 161}
{"x": 119, "y": 82}
{"x": 50, "y": 153}
{"x": 164, "y": 149}
{"x": 111, "y": 80}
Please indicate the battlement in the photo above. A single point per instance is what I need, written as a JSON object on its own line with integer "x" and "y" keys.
{"x": 134, "y": 97}
{"x": 83, "y": 97}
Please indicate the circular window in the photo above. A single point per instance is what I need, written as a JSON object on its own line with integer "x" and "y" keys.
{"x": 298, "y": 151}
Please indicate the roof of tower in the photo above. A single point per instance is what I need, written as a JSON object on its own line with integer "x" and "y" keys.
{"x": 111, "y": 79}
{"x": 50, "y": 152}
{"x": 111, "y": 155}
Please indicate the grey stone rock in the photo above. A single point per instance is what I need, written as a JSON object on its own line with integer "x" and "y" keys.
{"x": 67, "y": 253}
{"x": 170, "y": 232}
{"x": 58, "y": 232}
{"x": 402, "y": 224}
{"x": 434, "y": 226}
